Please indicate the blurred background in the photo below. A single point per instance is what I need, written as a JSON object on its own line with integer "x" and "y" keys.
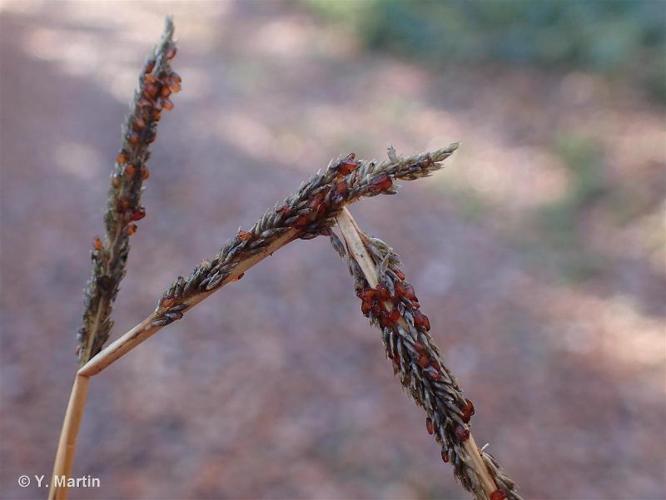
{"x": 538, "y": 253}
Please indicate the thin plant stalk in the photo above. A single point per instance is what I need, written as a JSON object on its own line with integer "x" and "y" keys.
{"x": 421, "y": 368}
{"x": 306, "y": 214}
{"x": 64, "y": 460}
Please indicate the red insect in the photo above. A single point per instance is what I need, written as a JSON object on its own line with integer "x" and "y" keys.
{"x": 423, "y": 361}
{"x": 380, "y": 184}
{"x": 150, "y": 90}
{"x": 383, "y": 292}
{"x": 301, "y": 221}
{"x": 429, "y": 426}
{"x": 421, "y": 320}
{"x": 317, "y": 203}
{"x": 138, "y": 214}
{"x": 462, "y": 434}
{"x": 347, "y": 165}
{"x": 467, "y": 411}
{"x": 144, "y": 103}
{"x": 139, "y": 123}
{"x": 341, "y": 188}
{"x": 149, "y": 66}
{"x": 130, "y": 170}
{"x": 167, "y": 302}
{"x": 97, "y": 244}
{"x": 244, "y": 235}
{"x": 174, "y": 82}
{"x": 405, "y": 290}
{"x": 498, "y": 495}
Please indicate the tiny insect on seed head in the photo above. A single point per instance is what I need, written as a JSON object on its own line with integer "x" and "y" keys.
{"x": 130, "y": 170}
{"x": 173, "y": 81}
{"x": 423, "y": 360}
{"x": 139, "y": 123}
{"x": 150, "y": 90}
{"x": 244, "y": 235}
{"x": 467, "y": 411}
{"x": 462, "y": 433}
{"x": 150, "y": 65}
{"x": 97, "y": 244}
{"x": 138, "y": 214}
{"x": 421, "y": 320}
{"x": 498, "y": 495}
{"x": 167, "y": 302}
{"x": 302, "y": 221}
{"x": 380, "y": 184}
{"x": 392, "y": 316}
{"x": 131, "y": 229}
{"x": 143, "y": 102}
{"x": 347, "y": 165}
{"x": 405, "y": 290}
{"x": 429, "y": 426}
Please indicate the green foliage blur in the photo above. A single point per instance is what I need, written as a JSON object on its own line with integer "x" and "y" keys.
{"x": 624, "y": 38}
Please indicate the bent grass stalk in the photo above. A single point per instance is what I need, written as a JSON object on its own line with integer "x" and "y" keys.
{"x": 389, "y": 301}
{"x": 306, "y": 214}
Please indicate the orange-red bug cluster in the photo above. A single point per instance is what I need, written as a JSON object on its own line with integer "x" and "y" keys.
{"x": 131, "y": 167}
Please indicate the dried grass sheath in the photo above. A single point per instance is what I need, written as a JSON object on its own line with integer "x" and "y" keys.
{"x": 391, "y": 304}
{"x": 109, "y": 256}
